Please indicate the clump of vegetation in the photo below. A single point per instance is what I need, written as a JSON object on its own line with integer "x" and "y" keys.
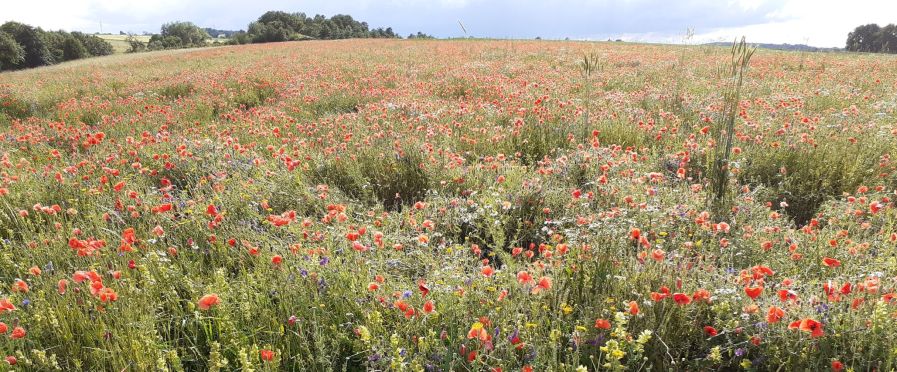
{"x": 336, "y": 104}
{"x": 13, "y": 108}
{"x": 392, "y": 180}
{"x": 178, "y": 90}
{"x": 254, "y": 93}
{"x": 798, "y": 179}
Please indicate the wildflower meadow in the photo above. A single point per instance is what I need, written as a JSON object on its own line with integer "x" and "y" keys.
{"x": 459, "y": 205}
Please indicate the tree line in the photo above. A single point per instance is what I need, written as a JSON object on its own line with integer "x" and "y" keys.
{"x": 274, "y": 26}
{"x": 873, "y": 38}
{"x": 24, "y": 46}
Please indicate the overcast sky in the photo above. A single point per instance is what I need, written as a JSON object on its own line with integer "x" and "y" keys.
{"x": 822, "y": 23}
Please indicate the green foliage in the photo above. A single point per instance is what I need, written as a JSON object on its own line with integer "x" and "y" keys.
{"x": 178, "y": 90}
{"x": 175, "y": 35}
{"x": 73, "y": 49}
{"x": 36, "y": 51}
{"x": 94, "y": 45}
{"x": 12, "y": 107}
{"x": 254, "y": 93}
{"x": 590, "y": 64}
{"x": 336, "y": 104}
{"x": 804, "y": 177}
{"x": 390, "y": 179}
{"x": 11, "y": 53}
{"x": 872, "y": 38}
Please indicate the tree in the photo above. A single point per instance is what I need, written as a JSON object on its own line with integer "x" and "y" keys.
{"x": 95, "y": 46}
{"x": 887, "y": 38}
{"x": 134, "y": 44}
{"x": 32, "y": 42}
{"x": 11, "y": 53}
{"x": 72, "y": 49}
{"x": 187, "y": 33}
{"x": 275, "y": 26}
{"x": 864, "y": 39}
{"x": 54, "y": 41}
{"x": 273, "y": 31}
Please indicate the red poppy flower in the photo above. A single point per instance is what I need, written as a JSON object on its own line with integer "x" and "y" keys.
{"x": 753, "y": 292}
{"x": 633, "y": 308}
{"x": 775, "y": 314}
{"x": 543, "y": 284}
{"x": 18, "y": 333}
{"x": 429, "y": 307}
{"x": 837, "y": 366}
{"x": 206, "y": 302}
{"x": 831, "y": 262}
{"x": 524, "y": 277}
{"x": 681, "y": 298}
{"x": 807, "y": 325}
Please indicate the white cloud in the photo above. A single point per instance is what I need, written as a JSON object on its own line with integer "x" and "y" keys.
{"x": 813, "y": 22}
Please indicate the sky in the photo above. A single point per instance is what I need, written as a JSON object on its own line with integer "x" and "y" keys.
{"x": 822, "y": 23}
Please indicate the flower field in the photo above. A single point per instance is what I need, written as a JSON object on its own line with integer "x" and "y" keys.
{"x": 449, "y": 206}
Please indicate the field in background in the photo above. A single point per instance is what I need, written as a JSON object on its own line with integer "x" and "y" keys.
{"x": 119, "y": 42}
{"x": 447, "y": 205}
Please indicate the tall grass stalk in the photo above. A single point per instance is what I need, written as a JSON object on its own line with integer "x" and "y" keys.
{"x": 724, "y": 129}
{"x": 588, "y": 66}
